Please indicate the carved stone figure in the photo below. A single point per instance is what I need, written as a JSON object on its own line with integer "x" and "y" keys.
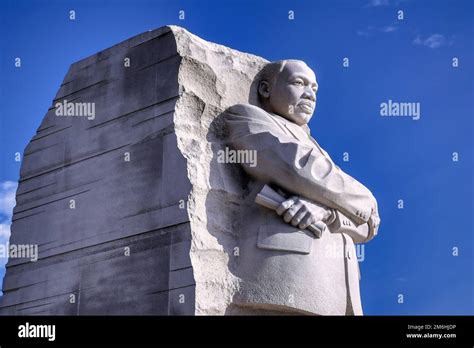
{"x": 285, "y": 267}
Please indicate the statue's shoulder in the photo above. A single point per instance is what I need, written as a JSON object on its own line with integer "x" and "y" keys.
{"x": 247, "y": 110}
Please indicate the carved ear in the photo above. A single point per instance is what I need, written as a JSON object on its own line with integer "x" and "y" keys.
{"x": 264, "y": 89}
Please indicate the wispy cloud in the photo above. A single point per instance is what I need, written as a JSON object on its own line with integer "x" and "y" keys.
{"x": 4, "y": 232}
{"x": 7, "y": 202}
{"x": 364, "y": 33}
{"x": 389, "y": 29}
{"x": 432, "y": 41}
{"x": 377, "y": 3}
{"x": 371, "y": 30}
{"x": 7, "y": 199}
{"x": 381, "y": 3}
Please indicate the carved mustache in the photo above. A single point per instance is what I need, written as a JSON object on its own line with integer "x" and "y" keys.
{"x": 307, "y": 104}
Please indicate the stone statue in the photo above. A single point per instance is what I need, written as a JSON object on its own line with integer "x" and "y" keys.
{"x": 284, "y": 267}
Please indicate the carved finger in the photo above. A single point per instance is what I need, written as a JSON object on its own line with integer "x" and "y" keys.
{"x": 307, "y": 220}
{"x": 299, "y": 216}
{"x": 292, "y": 211}
{"x": 285, "y": 205}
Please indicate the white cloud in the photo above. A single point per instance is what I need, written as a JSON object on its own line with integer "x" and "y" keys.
{"x": 363, "y": 33}
{"x": 371, "y": 30}
{"x": 7, "y": 202}
{"x": 382, "y": 3}
{"x": 7, "y": 199}
{"x": 389, "y": 29}
{"x": 377, "y": 3}
{"x": 433, "y": 41}
{"x": 4, "y": 238}
{"x": 4, "y": 232}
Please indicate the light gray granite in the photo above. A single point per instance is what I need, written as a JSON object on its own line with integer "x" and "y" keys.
{"x": 120, "y": 205}
{"x": 285, "y": 264}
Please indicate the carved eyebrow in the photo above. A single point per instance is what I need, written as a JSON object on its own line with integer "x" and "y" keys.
{"x": 305, "y": 79}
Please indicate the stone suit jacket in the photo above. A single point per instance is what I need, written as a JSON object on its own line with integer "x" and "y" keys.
{"x": 280, "y": 266}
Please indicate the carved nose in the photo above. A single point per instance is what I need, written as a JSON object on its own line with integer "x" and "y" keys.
{"x": 309, "y": 94}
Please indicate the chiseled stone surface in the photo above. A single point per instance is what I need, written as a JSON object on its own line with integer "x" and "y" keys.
{"x": 214, "y": 78}
{"x": 162, "y": 112}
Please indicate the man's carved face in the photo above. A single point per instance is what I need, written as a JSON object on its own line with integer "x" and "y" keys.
{"x": 293, "y": 93}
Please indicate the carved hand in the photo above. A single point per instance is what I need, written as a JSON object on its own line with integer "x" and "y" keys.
{"x": 374, "y": 220}
{"x": 301, "y": 212}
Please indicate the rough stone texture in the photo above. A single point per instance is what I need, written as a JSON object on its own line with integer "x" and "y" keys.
{"x": 214, "y": 78}
{"x": 164, "y": 111}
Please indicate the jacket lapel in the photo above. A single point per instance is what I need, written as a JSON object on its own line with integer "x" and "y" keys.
{"x": 298, "y": 133}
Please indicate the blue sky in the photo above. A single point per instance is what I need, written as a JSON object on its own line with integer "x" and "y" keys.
{"x": 407, "y": 60}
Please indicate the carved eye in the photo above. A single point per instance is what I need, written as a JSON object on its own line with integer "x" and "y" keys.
{"x": 298, "y": 83}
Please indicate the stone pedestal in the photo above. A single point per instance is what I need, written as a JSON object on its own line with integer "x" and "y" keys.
{"x": 130, "y": 209}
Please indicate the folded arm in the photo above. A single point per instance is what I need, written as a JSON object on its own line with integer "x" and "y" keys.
{"x": 294, "y": 166}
